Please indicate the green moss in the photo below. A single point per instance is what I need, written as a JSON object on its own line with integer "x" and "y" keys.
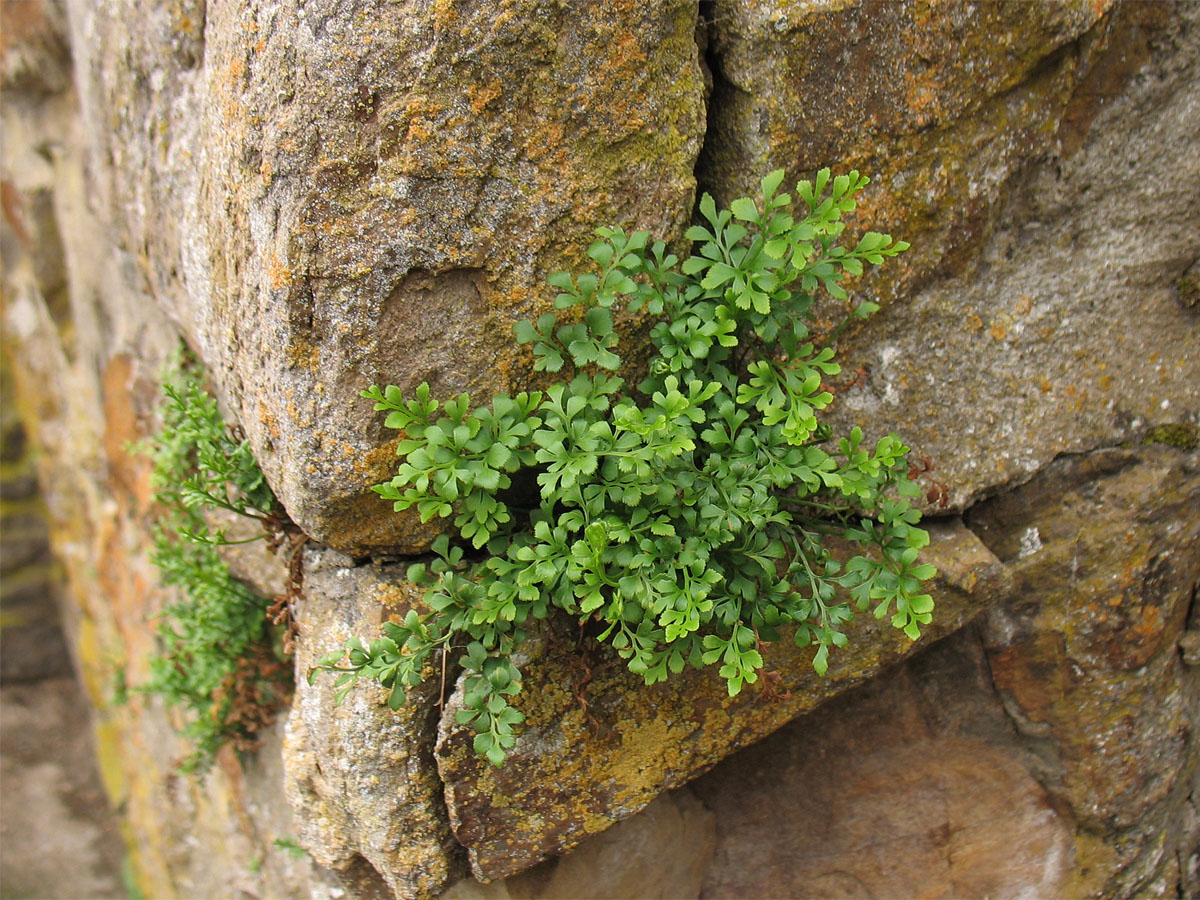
{"x": 1180, "y": 435}
{"x": 1188, "y": 288}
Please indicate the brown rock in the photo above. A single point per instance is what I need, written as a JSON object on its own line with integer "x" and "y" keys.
{"x": 1086, "y": 660}
{"x": 340, "y": 197}
{"x": 913, "y": 93}
{"x": 312, "y": 192}
{"x": 361, "y": 778}
{"x": 35, "y": 58}
{"x": 911, "y": 786}
{"x": 1015, "y": 146}
{"x": 661, "y": 853}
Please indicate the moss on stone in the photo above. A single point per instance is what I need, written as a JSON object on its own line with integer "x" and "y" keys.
{"x": 1188, "y": 289}
{"x": 1180, "y": 435}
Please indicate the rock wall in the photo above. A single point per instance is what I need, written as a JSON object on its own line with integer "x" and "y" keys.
{"x": 32, "y": 645}
{"x": 59, "y": 836}
{"x": 318, "y": 196}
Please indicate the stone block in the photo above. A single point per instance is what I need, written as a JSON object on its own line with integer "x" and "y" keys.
{"x": 342, "y": 197}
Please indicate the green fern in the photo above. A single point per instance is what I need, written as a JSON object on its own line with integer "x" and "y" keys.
{"x": 220, "y": 659}
{"x": 687, "y": 516}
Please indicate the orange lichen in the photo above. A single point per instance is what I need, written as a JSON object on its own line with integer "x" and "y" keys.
{"x": 278, "y": 274}
{"x": 418, "y": 131}
{"x": 236, "y": 70}
{"x": 479, "y": 96}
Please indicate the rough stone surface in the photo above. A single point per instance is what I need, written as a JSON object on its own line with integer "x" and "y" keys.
{"x": 1017, "y": 147}
{"x": 946, "y": 98}
{"x": 326, "y": 197}
{"x": 1103, "y": 547}
{"x": 913, "y": 785}
{"x": 87, "y": 340}
{"x": 32, "y": 644}
{"x": 34, "y": 57}
{"x": 659, "y": 854}
{"x": 359, "y": 776}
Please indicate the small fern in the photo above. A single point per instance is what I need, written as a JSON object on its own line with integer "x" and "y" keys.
{"x": 220, "y": 660}
{"x": 687, "y": 516}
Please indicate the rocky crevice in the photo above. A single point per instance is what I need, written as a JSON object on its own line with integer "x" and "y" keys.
{"x": 1013, "y": 360}
{"x": 717, "y": 89}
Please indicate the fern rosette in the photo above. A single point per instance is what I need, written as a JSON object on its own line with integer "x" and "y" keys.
{"x": 688, "y": 516}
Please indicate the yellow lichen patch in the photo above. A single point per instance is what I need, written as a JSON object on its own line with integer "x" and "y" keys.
{"x": 376, "y": 460}
{"x": 397, "y": 597}
{"x": 419, "y": 132}
{"x": 95, "y": 672}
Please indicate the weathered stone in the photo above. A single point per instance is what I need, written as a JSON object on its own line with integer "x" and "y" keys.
{"x": 319, "y": 197}
{"x": 598, "y": 745}
{"x": 344, "y": 196}
{"x": 913, "y": 785}
{"x": 32, "y": 644}
{"x": 1189, "y": 646}
{"x": 1016, "y": 150}
{"x": 913, "y": 93}
{"x": 1187, "y": 288}
{"x": 34, "y": 57}
{"x": 254, "y": 563}
{"x": 86, "y": 377}
{"x": 360, "y": 777}
{"x": 662, "y": 852}
{"x": 1103, "y": 547}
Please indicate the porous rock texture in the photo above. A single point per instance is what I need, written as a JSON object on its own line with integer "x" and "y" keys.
{"x": 361, "y": 776}
{"x": 318, "y": 196}
{"x": 327, "y": 195}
